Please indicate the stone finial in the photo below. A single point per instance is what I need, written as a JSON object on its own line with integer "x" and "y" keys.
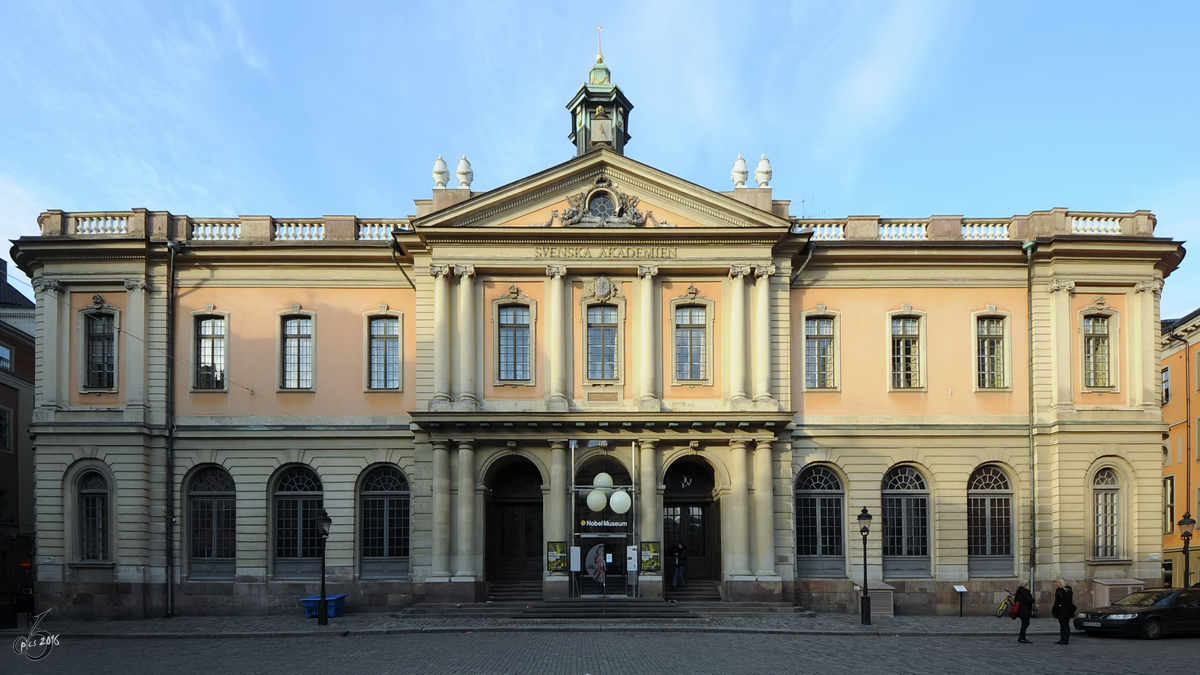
{"x": 464, "y": 173}
{"x": 763, "y": 173}
{"x": 740, "y": 173}
{"x": 441, "y": 173}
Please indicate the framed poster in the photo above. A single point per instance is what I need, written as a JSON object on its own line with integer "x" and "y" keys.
{"x": 651, "y": 557}
{"x": 556, "y": 556}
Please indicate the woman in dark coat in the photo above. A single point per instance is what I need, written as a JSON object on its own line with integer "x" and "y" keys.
{"x": 1063, "y": 610}
{"x": 1024, "y": 609}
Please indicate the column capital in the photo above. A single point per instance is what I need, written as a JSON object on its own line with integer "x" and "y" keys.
{"x": 647, "y": 271}
{"x": 558, "y": 443}
{"x": 738, "y": 271}
{"x": 741, "y": 441}
{"x": 465, "y": 443}
{"x": 556, "y": 271}
{"x": 1154, "y": 286}
{"x": 439, "y": 270}
{"x": 137, "y": 284}
{"x": 764, "y": 270}
{"x": 42, "y": 284}
{"x": 464, "y": 271}
{"x": 1061, "y": 285}
{"x": 649, "y": 441}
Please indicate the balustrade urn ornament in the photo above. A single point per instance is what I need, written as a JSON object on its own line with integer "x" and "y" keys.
{"x": 464, "y": 173}
{"x": 740, "y": 173}
{"x": 441, "y": 173}
{"x": 763, "y": 173}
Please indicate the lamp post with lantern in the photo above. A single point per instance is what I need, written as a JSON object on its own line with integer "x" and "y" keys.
{"x": 1187, "y": 525}
{"x": 864, "y": 528}
{"x": 323, "y": 522}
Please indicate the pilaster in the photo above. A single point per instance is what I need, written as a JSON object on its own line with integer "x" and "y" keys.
{"x": 441, "y": 334}
{"x": 647, "y": 298}
{"x": 762, "y": 333}
{"x": 556, "y": 399}
{"x": 467, "y": 397}
{"x": 737, "y": 335}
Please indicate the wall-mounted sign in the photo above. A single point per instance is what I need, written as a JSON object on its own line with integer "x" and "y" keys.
{"x": 576, "y": 564}
{"x": 556, "y": 556}
{"x": 651, "y": 557}
{"x": 597, "y": 568}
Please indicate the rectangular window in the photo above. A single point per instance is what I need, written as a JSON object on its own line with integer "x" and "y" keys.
{"x": 5, "y": 357}
{"x": 1166, "y": 385}
{"x": 905, "y": 526}
{"x": 602, "y": 342}
{"x": 690, "y": 329}
{"x": 1095, "y": 351}
{"x": 385, "y": 352}
{"x": 297, "y": 353}
{"x": 514, "y": 342}
{"x": 94, "y": 526}
{"x": 906, "y": 344}
{"x": 1106, "y": 523}
{"x": 1168, "y": 504}
{"x": 5, "y": 429}
{"x": 101, "y": 351}
{"x": 990, "y": 336}
{"x": 210, "y": 352}
{"x": 818, "y": 354}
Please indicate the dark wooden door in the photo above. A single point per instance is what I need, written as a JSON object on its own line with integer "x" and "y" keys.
{"x": 516, "y": 551}
{"x": 690, "y": 524}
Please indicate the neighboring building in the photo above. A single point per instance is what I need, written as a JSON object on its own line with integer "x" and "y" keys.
{"x": 17, "y": 523}
{"x": 1180, "y": 383}
{"x": 449, "y": 386}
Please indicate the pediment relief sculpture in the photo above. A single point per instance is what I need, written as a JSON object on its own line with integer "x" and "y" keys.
{"x": 601, "y": 206}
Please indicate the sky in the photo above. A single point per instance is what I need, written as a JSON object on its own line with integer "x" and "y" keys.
{"x": 897, "y": 108}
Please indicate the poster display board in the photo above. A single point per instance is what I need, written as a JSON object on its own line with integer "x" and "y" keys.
{"x": 556, "y": 556}
{"x": 651, "y": 557}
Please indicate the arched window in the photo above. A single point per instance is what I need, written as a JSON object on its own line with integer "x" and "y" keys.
{"x": 1106, "y": 492}
{"x": 989, "y": 523}
{"x": 820, "y": 540}
{"x": 299, "y": 501}
{"x": 93, "y": 517}
{"x": 212, "y": 505}
{"x": 602, "y": 342}
{"x": 384, "y": 522}
{"x": 905, "y": 523}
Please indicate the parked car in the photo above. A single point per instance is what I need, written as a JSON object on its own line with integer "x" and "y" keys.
{"x": 1150, "y": 613}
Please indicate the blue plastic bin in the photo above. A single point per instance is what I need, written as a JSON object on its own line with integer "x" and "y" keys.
{"x": 335, "y": 602}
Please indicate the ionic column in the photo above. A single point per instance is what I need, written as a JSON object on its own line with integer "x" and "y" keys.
{"x": 1060, "y": 356}
{"x": 647, "y": 297}
{"x": 557, "y": 395}
{"x": 47, "y": 292}
{"x": 1145, "y": 300}
{"x": 739, "y": 512}
{"x": 560, "y": 506}
{"x": 441, "y": 332}
{"x": 464, "y": 558}
{"x": 762, "y": 332}
{"x": 441, "y": 509}
{"x": 651, "y": 525}
{"x": 737, "y": 332}
{"x": 466, "y": 333}
{"x": 764, "y": 510}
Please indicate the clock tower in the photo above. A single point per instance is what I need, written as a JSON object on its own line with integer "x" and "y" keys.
{"x": 599, "y": 113}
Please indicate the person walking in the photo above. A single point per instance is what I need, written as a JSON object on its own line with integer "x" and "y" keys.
{"x": 1064, "y": 608}
{"x": 680, "y": 552}
{"x": 1024, "y": 600}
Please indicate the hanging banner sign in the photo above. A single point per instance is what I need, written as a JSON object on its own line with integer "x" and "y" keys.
{"x": 651, "y": 557}
{"x": 556, "y": 556}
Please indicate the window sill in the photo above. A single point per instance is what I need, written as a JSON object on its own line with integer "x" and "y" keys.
{"x": 92, "y": 564}
{"x": 513, "y": 383}
{"x": 197, "y": 390}
{"x": 825, "y": 390}
{"x": 289, "y": 390}
{"x": 905, "y": 390}
{"x": 369, "y": 390}
{"x": 993, "y": 390}
{"x": 1109, "y": 561}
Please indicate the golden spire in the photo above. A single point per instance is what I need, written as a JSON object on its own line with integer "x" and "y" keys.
{"x": 599, "y": 45}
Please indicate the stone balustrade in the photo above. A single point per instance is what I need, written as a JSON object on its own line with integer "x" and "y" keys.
{"x": 903, "y": 230}
{"x": 1052, "y": 223}
{"x": 296, "y": 230}
{"x": 139, "y": 223}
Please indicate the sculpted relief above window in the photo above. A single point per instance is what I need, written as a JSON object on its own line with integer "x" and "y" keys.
{"x": 601, "y": 206}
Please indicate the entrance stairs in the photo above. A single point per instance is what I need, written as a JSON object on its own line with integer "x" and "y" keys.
{"x": 515, "y": 591}
{"x": 696, "y": 591}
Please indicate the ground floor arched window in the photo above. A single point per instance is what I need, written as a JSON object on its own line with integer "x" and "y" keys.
{"x": 384, "y": 523}
{"x": 820, "y": 537}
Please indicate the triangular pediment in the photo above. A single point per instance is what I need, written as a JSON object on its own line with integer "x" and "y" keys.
{"x": 641, "y": 197}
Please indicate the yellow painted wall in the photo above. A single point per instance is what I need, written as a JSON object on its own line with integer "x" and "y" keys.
{"x": 712, "y": 291}
{"x": 1119, "y": 395}
{"x": 493, "y": 289}
{"x": 79, "y": 301}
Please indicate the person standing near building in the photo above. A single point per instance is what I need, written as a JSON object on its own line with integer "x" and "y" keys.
{"x": 1024, "y": 600}
{"x": 681, "y": 554}
{"x": 1063, "y": 610}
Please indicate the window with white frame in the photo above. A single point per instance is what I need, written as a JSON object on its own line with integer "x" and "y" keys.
{"x": 1096, "y": 351}
{"x": 297, "y": 347}
{"x": 6, "y": 362}
{"x": 602, "y": 324}
{"x": 905, "y": 523}
{"x": 989, "y": 523}
{"x": 1166, "y": 385}
{"x": 384, "y": 536}
{"x": 93, "y": 517}
{"x": 989, "y": 336}
{"x": 100, "y": 350}
{"x": 384, "y": 352}
{"x": 213, "y": 510}
{"x": 691, "y": 332}
{"x": 1106, "y": 493}
{"x": 514, "y": 342}
{"x": 1168, "y": 504}
{"x": 210, "y": 359}
{"x": 819, "y": 353}
{"x": 906, "y": 352}
{"x": 820, "y": 536}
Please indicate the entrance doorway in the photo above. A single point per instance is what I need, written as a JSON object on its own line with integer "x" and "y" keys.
{"x": 514, "y": 525}
{"x": 604, "y": 527}
{"x": 691, "y": 516}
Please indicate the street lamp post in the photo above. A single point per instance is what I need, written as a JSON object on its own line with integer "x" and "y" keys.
{"x": 323, "y": 605}
{"x": 864, "y": 528}
{"x": 1187, "y": 525}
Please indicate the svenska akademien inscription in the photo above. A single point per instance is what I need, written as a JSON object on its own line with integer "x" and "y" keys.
{"x": 623, "y": 252}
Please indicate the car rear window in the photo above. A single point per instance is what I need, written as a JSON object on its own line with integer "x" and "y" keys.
{"x": 1146, "y": 599}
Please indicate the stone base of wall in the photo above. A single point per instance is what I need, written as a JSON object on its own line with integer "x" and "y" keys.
{"x": 754, "y": 590}
{"x": 912, "y": 596}
{"x": 95, "y": 601}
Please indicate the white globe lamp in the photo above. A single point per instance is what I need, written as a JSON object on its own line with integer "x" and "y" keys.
{"x": 621, "y": 501}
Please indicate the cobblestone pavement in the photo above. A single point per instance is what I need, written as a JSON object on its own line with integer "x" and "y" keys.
{"x": 608, "y": 653}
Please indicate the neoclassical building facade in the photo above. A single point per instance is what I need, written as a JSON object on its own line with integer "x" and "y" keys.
{"x": 582, "y": 369}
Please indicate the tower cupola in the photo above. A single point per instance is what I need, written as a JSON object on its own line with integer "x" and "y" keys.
{"x": 599, "y": 112}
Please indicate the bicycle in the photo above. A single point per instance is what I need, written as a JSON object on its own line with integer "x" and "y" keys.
{"x": 1005, "y": 607}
